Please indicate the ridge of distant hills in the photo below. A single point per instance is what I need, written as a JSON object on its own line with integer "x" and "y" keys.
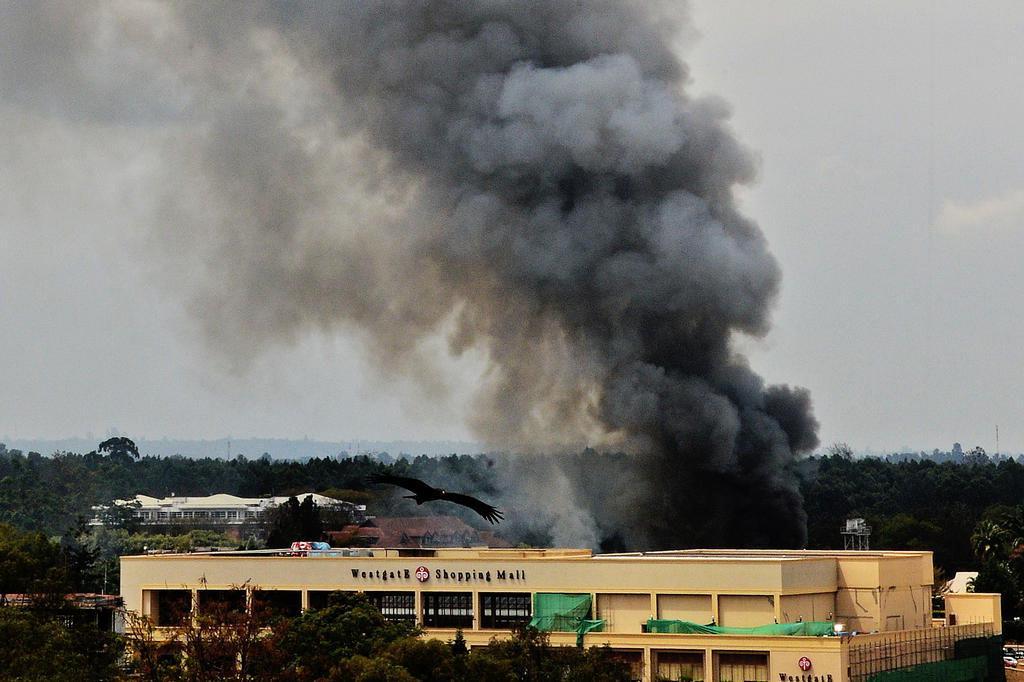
{"x": 253, "y": 448}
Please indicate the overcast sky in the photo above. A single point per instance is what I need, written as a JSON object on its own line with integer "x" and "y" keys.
{"x": 891, "y": 190}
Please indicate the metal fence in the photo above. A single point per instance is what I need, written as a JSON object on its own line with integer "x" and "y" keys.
{"x": 884, "y": 651}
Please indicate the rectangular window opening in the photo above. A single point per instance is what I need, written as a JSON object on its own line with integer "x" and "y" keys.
{"x": 634, "y": 660}
{"x": 447, "y": 609}
{"x": 395, "y": 606}
{"x": 170, "y": 608}
{"x": 505, "y": 610}
{"x": 270, "y": 604}
{"x": 679, "y": 665}
{"x": 743, "y": 668}
{"x": 221, "y": 602}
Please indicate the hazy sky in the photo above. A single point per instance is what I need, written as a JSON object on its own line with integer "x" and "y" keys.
{"x": 891, "y": 190}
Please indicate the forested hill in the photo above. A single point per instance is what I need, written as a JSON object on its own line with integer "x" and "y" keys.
{"x": 910, "y": 505}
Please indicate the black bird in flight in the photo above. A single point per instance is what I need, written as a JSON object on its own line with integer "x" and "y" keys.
{"x": 425, "y": 493}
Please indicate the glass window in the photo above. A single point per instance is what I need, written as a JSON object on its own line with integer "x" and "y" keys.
{"x": 680, "y": 665}
{"x": 447, "y": 609}
{"x": 742, "y": 668}
{"x": 395, "y": 606}
{"x": 505, "y": 610}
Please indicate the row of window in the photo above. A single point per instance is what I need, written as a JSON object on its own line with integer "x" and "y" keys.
{"x": 498, "y": 610}
{"x": 229, "y": 514}
{"x": 689, "y": 665}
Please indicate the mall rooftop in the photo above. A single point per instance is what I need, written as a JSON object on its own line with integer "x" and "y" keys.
{"x": 672, "y": 613}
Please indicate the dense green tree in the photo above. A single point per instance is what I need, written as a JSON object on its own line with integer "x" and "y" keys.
{"x": 30, "y": 564}
{"x": 428, "y": 660}
{"x": 531, "y": 658}
{"x": 293, "y": 521}
{"x": 904, "y": 531}
{"x": 349, "y": 626}
{"x": 365, "y": 669}
{"x": 121, "y": 516}
{"x": 40, "y": 646}
{"x": 41, "y": 638}
{"x": 1011, "y": 520}
{"x": 119, "y": 447}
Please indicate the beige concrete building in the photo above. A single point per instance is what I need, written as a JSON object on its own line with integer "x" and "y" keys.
{"x": 878, "y": 602}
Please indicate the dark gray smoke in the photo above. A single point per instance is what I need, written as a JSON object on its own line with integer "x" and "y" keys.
{"x": 528, "y": 179}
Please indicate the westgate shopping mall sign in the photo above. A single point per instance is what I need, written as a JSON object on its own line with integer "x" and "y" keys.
{"x": 425, "y": 573}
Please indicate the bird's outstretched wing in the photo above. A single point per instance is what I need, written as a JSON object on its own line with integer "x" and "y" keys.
{"x": 482, "y": 508}
{"x": 412, "y": 484}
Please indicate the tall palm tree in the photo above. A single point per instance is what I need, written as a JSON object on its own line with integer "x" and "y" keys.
{"x": 990, "y": 540}
{"x": 1013, "y": 523}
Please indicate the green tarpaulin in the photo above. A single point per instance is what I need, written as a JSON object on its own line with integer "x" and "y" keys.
{"x": 683, "y": 627}
{"x": 564, "y": 613}
{"x": 977, "y": 659}
{"x": 965, "y": 670}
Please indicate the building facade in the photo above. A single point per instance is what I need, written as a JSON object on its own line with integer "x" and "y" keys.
{"x": 215, "y": 510}
{"x": 698, "y": 614}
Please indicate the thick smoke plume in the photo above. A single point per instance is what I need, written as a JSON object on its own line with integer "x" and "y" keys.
{"x": 529, "y": 179}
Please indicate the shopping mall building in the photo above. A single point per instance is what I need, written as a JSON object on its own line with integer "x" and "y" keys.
{"x": 697, "y": 614}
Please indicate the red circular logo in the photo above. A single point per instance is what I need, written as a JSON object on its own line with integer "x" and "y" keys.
{"x": 804, "y": 663}
{"x": 422, "y": 574}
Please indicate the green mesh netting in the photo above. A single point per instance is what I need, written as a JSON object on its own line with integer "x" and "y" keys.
{"x": 683, "y": 627}
{"x": 588, "y": 626}
{"x": 989, "y": 648}
{"x": 977, "y": 659}
{"x": 964, "y": 670}
{"x": 564, "y": 613}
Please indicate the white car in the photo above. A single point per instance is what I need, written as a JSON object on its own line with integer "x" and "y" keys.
{"x": 1009, "y": 661}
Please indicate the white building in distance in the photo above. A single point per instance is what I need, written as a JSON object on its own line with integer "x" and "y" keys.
{"x": 219, "y": 509}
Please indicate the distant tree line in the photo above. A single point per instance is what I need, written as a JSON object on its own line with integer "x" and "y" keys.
{"x": 50, "y": 493}
{"x": 910, "y": 504}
